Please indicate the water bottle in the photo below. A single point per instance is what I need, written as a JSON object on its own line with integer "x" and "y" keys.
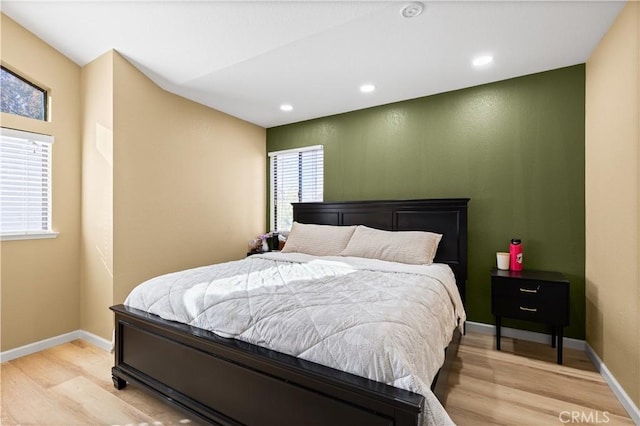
{"x": 515, "y": 255}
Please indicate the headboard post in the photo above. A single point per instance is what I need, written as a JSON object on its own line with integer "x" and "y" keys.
{"x": 446, "y": 216}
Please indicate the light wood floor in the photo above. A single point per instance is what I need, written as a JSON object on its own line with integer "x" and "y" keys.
{"x": 522, "y": 385}
{"x": 71, "y": 385}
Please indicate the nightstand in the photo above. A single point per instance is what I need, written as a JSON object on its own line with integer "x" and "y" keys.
{"x": 537, "y": 296}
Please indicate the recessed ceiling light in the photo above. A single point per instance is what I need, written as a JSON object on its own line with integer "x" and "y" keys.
{"x": 367, "y": 88}
{"x": 286, "y": 107}
{"x": 412, "y": 10}
{"x": 482, "y": 60}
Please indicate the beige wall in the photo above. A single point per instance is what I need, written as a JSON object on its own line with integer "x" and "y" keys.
{"x": 612, "y": 200}
{"x": 40, "y": 279}
{"x": 144, "y": 182}
{"x": 97, "y": 195}
{"x": 188, "y": 182}
{"x": 168, "y": 184}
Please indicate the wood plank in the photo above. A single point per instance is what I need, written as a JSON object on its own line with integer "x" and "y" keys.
{"x": 521, "y": 406}
{"x": 81, "y": 361}
{"x": 518, "y": 387}
{"x": 43, "y": 370}
{"x": 84, "y": 396}
{"x": 24, "y": 401}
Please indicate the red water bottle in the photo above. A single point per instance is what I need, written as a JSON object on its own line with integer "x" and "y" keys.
{"x": 515, "y": 255}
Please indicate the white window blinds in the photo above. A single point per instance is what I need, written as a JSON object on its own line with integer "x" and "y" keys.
{"x": 297, "y": 175}
{"x": 25, "y": 183}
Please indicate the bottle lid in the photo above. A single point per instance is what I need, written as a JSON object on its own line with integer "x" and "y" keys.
{"x": 516, "y": 241}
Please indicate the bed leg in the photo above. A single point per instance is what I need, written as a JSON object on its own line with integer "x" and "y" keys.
{"x": 118, "y": 383}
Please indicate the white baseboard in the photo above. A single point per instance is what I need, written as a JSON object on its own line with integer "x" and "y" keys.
{"x": 39, "y": 346}
{"x": 95, "y": 340}
{"x": 618, "y": 391}
{"x": 54, "y": 341}
{"x": 530, "y": 336}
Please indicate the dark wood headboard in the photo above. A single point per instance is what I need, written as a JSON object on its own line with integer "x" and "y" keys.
{"x": 446, "y": 216}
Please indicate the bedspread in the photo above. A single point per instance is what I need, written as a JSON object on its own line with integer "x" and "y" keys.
{"x": 385, "y": 321}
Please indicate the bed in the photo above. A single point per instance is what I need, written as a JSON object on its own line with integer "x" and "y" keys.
{"x": 226, "y": 380}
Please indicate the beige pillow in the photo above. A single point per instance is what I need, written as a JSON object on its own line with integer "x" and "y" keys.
{"x": 318, "y": 240}
{"x": 414, "y": 247}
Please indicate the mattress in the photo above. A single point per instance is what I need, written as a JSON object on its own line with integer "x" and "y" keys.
{"x": 385, "y": 321}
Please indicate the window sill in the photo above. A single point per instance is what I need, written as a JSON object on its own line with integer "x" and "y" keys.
{"x": 29, "y": 236}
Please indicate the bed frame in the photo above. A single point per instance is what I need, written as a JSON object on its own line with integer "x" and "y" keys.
{"x": 229, "y": 382}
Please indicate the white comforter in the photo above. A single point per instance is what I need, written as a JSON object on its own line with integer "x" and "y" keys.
{"x": 386, "y": 321}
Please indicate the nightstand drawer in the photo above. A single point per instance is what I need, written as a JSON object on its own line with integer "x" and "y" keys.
{"x": 531, "y": 309}
{"x": 531, "y": 300}
{"x": 543, "y": 291}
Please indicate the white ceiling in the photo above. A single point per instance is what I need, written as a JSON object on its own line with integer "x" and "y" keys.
{"x": 248, "y": 58}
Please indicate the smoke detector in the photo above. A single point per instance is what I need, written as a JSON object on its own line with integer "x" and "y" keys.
{"x": 412, "y": 10}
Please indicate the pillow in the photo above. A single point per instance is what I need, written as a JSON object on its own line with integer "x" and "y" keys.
{"x": 414, "y": 247}
{"x": 318, "y": 240}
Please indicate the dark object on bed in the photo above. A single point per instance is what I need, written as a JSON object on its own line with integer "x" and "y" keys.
{"x": 227, "y": 381}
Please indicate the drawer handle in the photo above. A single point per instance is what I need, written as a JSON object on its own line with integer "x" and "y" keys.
{"x": 529, "y": 309}
{"x": 527, "y": 290}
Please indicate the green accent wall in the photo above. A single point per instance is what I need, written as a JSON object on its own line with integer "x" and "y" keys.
{"x": 515, "y": 147}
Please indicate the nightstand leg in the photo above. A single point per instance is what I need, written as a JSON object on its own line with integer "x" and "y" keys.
{"x": 553, "y": 336}
{"x": 498, "y": 326}
{"x": 560, "y": 345}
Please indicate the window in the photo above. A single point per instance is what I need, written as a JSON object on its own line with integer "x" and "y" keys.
{"x": 25, "y": 185}
{"x": 21, "y": 97}
{"x": 296, "y": 176}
